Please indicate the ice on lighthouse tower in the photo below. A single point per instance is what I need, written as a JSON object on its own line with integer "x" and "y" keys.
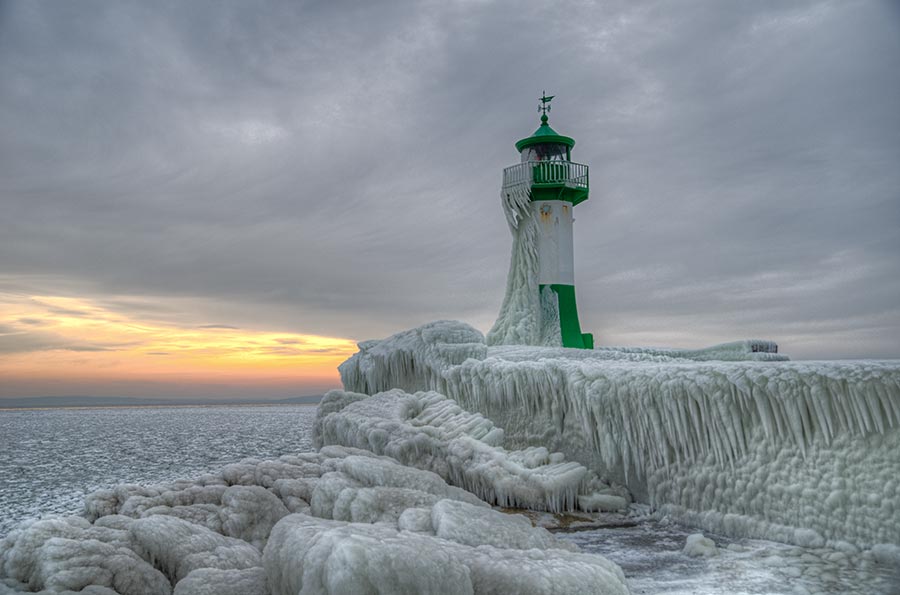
{"x": 539, "y": 196}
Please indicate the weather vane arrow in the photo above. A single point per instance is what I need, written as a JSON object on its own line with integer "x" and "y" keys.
{"x": 545, "y": 102}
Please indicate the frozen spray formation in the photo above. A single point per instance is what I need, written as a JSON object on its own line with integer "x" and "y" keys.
{"x": 429, "y": 431}
{"x": 520, "y": 321}
{"x": 340, "y": 520}
{"x": 801, "y": 452}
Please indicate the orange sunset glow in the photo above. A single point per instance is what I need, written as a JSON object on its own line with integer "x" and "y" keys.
{"x": 63, "y": 345}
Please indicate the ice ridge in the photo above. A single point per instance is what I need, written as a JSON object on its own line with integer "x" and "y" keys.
{"x": 429, "y": 431}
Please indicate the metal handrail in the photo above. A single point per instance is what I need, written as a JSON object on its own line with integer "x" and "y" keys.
{"x": 571, "y": 174}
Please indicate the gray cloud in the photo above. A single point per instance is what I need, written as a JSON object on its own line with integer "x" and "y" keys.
{"x": 333, "y": 167}
{"x": 23, "y": 341}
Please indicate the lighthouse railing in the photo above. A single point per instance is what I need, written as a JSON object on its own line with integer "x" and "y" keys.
{"x": 567, "y": 173}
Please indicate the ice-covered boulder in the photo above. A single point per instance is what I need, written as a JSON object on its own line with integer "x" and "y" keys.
{"x": 311, "y": 555}
{"x": 214, "y": 581}
{"x": 430, "y": 431}
{"x": 249, "y": 513}
{"x": 178, "y": 547}
{"x": 471, "y": 525}
{"x": 60, "y": 554}
{"x": 381, "y": 527}
{"x": 699, "y": 546}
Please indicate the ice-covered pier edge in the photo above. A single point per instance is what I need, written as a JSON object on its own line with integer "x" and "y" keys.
{"x": 799, "y": 452}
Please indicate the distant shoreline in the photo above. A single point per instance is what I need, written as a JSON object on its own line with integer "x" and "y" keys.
{"x": 160, "y": 406}
{"x": 46, "y": 403}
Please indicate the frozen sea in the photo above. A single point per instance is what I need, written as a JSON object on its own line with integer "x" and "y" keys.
{"x": 49, "y": 460}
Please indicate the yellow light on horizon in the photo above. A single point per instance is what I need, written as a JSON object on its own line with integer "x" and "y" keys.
{"x": 54, "y": 338}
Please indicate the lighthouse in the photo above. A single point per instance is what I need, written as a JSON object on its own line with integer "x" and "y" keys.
{"x": 539, "y": 195}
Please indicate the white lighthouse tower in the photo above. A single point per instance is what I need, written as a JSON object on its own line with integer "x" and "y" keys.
{"x": 539, "y": 197}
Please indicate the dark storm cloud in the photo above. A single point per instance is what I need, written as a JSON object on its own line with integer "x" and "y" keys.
{"x": 333, "y": 167}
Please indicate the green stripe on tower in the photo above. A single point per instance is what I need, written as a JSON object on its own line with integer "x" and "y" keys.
{"x": 568, "y": 318}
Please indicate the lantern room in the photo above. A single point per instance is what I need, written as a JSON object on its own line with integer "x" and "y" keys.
{"x": 546, "y": 163}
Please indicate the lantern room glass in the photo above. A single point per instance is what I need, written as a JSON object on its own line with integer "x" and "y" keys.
{"x": 545, "y": 152}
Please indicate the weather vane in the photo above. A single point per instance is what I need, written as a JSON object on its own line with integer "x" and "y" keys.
{"x": 544, "y": 107}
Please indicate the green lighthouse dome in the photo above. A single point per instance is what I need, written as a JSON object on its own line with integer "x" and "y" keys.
{"x": 546, "y": 135}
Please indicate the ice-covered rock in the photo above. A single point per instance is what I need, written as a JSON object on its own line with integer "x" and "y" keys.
{"x": 310, "y": 555}
{"x": 249, "y": 513}
{"x": 430, "y": 431}
{"x": 602, "y": 502}
{"x": 887, "y": 554}
{"x": 214, "y": 581}
{"x": 699, "y": 546}
{"x": 472, "y": 525}
{"x": 60, "y": 554}
{"x": 378, "y": 505}
{"x": 178, "y": 547}
{"x": 384, "y": 527}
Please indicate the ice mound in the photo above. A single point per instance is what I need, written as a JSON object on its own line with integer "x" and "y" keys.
{"x": 432, "y": 346}
{"x": 698, "y": 546}
{"x": 340, "y": 520}
{"x": 70, "y": 554}
{"x": 463, "y": 523}
{"x": 178, "y": 547}
{"x": 429, "y": 431}
{"x": 212, "y": 581}
{"x": 308, "y": 554}
{"x": 803, "y": 452}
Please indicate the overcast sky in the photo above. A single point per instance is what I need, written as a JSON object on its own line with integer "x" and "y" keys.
{"x": 333, "y": 168}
